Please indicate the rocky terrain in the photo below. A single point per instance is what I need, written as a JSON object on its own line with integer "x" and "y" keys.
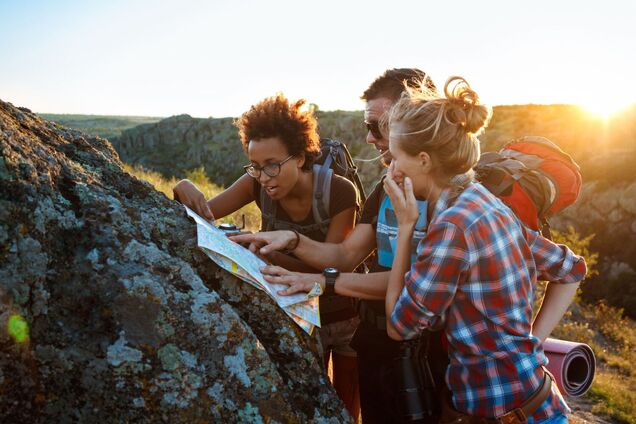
{"x": 110, "y": 313}
{"x": 608, "y": 212}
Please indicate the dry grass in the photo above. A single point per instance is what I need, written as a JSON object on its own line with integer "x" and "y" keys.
{"x": 197, "y": 176}
{"x": 612, "y": 337}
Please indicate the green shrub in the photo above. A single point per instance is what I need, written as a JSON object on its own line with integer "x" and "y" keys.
{"x": 611, "y": 323}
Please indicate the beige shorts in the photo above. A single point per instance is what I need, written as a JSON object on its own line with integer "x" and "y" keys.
{"x": 336, "y": 337}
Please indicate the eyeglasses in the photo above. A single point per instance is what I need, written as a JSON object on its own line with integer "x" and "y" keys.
{"x": 374, "y": 128}
{"x": 271, "y": 169}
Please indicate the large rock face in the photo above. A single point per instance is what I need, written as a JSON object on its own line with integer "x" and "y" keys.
{"x": 610, "y": 214}
{"x": 110, "y": 313}
{"x": 607, "y": 211}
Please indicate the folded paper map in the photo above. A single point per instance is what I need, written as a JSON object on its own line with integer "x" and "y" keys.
{"x": 234, "y": 258}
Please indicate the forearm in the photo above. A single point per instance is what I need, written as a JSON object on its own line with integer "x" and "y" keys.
{"x": 290, "y": 263}
{"x": 555, "y": 303}
{"x": 401, "y": 264}
{"x": 370, "y": 286}
{"x": 321, "y": 255}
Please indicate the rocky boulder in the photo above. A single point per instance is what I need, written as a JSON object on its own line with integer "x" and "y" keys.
{"x": 608, "y": 212}
{"x": 110, "y": 313}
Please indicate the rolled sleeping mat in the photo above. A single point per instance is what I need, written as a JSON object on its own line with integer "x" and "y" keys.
{"x": 572, "y": 364}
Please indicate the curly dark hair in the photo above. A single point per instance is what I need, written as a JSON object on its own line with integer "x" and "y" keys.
{"x": 278, "y": 117}
{"x": 391, "y": 83}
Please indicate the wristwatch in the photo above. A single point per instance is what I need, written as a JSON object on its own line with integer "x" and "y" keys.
{"x": 330, "y": 280}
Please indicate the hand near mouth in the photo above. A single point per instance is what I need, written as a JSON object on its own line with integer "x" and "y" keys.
{"x": 402, "y": 198}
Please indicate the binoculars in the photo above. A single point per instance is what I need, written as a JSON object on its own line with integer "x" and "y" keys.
{"x": 416, "y": 396}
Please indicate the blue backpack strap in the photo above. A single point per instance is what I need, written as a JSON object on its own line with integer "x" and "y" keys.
{"x": 384, "y": 232}
{"x": 322, "y": 176}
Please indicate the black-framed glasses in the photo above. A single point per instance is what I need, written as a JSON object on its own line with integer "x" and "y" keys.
{"x": 271, "y": 169}
{"x": 374, "y": 128}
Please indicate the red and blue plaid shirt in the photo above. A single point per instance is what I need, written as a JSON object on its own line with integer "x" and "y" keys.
{"x": 476, "y": 268}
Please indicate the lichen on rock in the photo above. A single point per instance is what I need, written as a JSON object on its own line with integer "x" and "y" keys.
{"x": 124, "y": 319}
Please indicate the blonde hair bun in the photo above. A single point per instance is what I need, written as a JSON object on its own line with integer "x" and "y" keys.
{"x": 445, "y": 127}
{"x": 463, "y": 107}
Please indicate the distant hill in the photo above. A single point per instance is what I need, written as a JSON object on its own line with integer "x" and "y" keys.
{"x": 156, "y": 143}
{"x": 100, "y": 125}
{"x": 181, "y": 143}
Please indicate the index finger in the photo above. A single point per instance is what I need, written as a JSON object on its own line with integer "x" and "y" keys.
{"x": 243, "y": 238}
{"x": 273, "y": 270}
{"x": 408, "y": 190}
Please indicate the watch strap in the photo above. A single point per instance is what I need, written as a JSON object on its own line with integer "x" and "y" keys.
{"x": 330, "y": 285}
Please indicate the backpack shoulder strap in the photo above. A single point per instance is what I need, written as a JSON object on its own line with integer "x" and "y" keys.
{"x": 380, "y": 200}
{"x": 337, "y": 157}
{"x": 320, "y": 205}
{"x": 268, "y": 211}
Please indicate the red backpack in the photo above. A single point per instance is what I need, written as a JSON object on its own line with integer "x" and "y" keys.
{"x": 533, "y": 176}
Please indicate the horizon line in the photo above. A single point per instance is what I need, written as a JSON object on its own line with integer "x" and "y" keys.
{"x": 319, "y": 110}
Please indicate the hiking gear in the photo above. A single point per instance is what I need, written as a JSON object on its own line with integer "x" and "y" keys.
{"x": 334, "y": 158}
{"x": 271, "y": 169}
{"x": 334, "y": 155}
{"x": 533, "y": 176}
{"x": 415, "y": 391}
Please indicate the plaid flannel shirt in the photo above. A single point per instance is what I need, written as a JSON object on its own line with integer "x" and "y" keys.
{"x": 476, "y": 268}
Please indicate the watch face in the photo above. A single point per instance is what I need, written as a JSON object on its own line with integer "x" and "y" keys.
{"x": 331, "y": 271}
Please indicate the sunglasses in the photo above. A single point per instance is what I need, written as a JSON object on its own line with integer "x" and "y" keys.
{"x": 374, "y": 128}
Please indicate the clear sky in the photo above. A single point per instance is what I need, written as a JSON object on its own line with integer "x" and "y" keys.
{"x": 217, "y": 57}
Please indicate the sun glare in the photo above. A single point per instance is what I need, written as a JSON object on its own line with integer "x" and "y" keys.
{"x": 604, "y": 108}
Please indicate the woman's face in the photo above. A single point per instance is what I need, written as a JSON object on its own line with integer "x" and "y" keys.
{"x": 405, "y": 165}
{"x": 272, "y": 151}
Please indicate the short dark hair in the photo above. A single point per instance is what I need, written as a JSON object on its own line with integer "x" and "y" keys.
{"x": 278, "y": 117}
{"x": 391, "y": 83}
